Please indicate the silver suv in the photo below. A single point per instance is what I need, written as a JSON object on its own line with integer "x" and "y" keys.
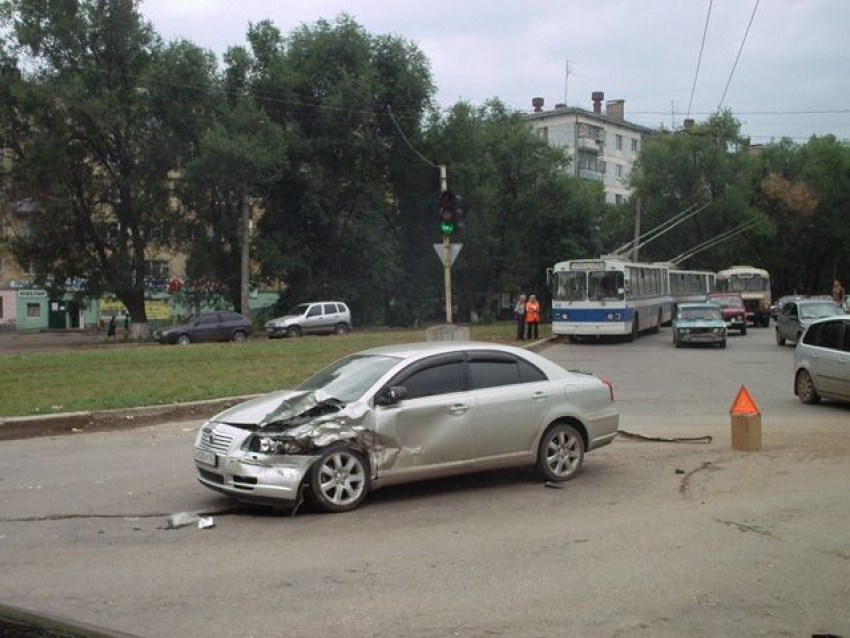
{"x": 316, "y": 317}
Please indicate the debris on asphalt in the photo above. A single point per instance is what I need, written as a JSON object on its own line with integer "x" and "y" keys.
{"x": 182, "y": 519}
{"x": 206, "y": 523}
{"x": 679, "y": 470}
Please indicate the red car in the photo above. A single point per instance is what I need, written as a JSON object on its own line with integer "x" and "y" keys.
{"x": 732, "y": 307}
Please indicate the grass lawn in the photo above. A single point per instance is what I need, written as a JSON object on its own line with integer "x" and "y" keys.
{"x": 136, "y": 375}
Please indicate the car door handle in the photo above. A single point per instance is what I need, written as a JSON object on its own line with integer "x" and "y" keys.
{"x": 458, "y": 408}
{"x": 538, "y": 396}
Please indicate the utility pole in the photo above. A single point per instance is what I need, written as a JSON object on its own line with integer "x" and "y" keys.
{"x": 447, "y": 252}
{"x": 245, "y": 236}
{"x": 637, "y": 230}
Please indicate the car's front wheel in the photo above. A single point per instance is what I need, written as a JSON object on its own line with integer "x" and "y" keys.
{"x": 744, "y": 330}
{"x": 561, "y": 453}
{"x": 806, "y": 388}
{"x": 341, "y": 329}
{"x": 293, "y": 331}
{"x": 184, "y": 340}
{"x": 779, "y": 340}
{"x": 339, "y": 480}
{"x": 239, "y": 336}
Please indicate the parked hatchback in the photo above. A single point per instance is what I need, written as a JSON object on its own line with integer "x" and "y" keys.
{"x": 822, "y": 361}
{"x": 732, "y": 309}
{"x": 403, "y": 413}
{"x": 222, "y": 325}
{"x": 795, "y": 317}
{"x": 317, "y": 317}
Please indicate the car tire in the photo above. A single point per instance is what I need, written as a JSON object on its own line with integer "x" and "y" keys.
{"x": 799, "y": 336}
{"x": 238, "y": 336}
{"x": 561, "y": 453}
{"x": 805, "y": 388}
{"x": 341, "y": 329}
{"x": 723, "y": 344}
{"x": 779, "y": 340}
{"x": 744, "y": 331}
{"x": 339, "y": 479}
{"x": 184, "y": 340}
{"x": 293, "y": 332}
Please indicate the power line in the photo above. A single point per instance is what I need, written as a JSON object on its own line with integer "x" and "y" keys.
{"x": 699, "y": 59}
{"x": 737, "y": 57}
{"x": 406, "y": 141}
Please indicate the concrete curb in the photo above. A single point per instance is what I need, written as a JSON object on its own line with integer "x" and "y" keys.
{"x": 103, "y": 420}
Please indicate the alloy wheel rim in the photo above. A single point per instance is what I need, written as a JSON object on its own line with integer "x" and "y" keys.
{"x": 342, "y": 478}
{"x": 562, "y": 453}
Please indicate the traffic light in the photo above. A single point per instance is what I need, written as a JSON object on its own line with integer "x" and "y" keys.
{"x": 447, "y": 212}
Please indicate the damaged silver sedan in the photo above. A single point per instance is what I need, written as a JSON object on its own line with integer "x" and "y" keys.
{"x": 404, "y": 413}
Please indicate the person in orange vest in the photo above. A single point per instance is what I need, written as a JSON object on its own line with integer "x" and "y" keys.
{"x": 532, "y": 317}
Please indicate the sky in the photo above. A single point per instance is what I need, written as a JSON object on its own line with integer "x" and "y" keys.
{"x": 666, "y": 58}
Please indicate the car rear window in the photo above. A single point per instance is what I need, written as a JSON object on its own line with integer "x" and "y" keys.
{"x": 824, "y": 335}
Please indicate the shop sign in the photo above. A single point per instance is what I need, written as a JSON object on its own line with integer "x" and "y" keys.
{"x": 32, "y": 294}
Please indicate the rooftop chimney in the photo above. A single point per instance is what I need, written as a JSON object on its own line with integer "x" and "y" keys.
{"x": 537, "y": 103}
{"x": 597, "y": 97}
{"x": 616, "y": 109}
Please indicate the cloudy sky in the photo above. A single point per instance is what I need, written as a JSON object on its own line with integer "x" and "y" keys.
{"x": 790, "y": 79}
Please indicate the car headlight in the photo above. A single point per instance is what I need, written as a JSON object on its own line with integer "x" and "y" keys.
{"x": 268, "y": 445}
{"x": 683, "y": 331}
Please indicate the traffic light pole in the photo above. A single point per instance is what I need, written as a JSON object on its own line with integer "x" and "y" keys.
{"x": 447, "y": 253}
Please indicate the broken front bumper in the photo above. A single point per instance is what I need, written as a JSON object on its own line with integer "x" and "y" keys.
{"x": 252, "y": 477}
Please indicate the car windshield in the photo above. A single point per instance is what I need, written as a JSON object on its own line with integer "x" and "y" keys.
{"x": 728, "y": 302}
{"x": 349, "y": 378}
{"x": 819, "y": 311}
{"x": 704, "y": 314}
{"x": 298, "y": 309}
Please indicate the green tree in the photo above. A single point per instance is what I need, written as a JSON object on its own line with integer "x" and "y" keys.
{"x": 98, "y": 113}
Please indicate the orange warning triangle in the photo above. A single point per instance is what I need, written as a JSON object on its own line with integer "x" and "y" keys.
{"x": 744, "y": 403}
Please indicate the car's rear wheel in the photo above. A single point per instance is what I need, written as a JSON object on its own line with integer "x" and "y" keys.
{"x": 184, "y": 340}
{"x": 744, "y": 330}
{"x": 806, "y": 388}
{"x": 723, "y": 343}
{"x": 339, "y": 480}
{"x": 634, "y": 328}
{"x": 561, "y": 453}
{"x": 341, "y": 329}
{"x": 779, "y": 340}
{"x": 293, "y": 331}
{"x": 239, "y": 336}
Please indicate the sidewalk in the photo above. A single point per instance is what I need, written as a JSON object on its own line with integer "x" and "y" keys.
{"x": 15, "y": 342}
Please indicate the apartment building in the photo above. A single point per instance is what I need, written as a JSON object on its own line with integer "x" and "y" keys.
{"x": 601, "y": 146}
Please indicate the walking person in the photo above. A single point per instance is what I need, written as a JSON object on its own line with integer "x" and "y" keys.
{"x": 532, "y": 317}
{"x": 110, "y": 330}
{"x": 519, "y": 315}
{"x": 838, "y": 292}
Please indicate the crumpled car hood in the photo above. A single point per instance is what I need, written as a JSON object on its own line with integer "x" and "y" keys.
{"x": 311, "y": 418}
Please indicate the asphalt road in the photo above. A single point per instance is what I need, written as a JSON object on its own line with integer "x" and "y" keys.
{"x": 652, "y": 539}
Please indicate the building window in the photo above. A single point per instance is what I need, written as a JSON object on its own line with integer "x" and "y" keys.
{"x": 619, "y": 171}
{"x": 156, "y": 268}
{"x": 619, "y": 140}
{"x": 544, "y": 133}
{"x": 33, "y": 310}
{"x": 618, "y": 199}
{"x": 634, "y": 145}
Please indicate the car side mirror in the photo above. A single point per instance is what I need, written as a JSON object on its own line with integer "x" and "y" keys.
{"x": 391, "y": 395}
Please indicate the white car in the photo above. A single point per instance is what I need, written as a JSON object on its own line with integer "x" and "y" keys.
{"x": 316, "y": 317}
{"x": 822, "y": 361}
{"x": 403, "y": 413}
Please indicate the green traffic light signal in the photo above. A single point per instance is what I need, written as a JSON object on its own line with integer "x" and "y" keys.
{"x": 447, "y": 227}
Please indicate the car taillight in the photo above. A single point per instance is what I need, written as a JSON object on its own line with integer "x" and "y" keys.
{"x": 610, "y": 386}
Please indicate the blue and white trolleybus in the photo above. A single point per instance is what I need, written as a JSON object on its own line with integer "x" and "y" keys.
{"x": 609, "y": 296}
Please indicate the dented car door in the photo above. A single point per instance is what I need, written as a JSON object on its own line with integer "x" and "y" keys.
{"x": 428, "y": 432}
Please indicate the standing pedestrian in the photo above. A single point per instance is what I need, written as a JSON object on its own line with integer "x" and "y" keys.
{"x": 838, "y": 292}
{"x": 519, "y": 315}
{"x": 110, "y": 330}
{"x": 532, "y": 317}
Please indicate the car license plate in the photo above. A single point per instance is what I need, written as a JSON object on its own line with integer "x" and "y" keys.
{"x": 206, "y": 456}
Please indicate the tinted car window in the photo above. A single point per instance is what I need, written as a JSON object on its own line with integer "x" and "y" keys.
{"x": 340, "y": 308}
{"x": 442, "y": 375}
{"x": 829, "y": 333}
{"x": 230, "y": 316}
{"x": 529, "y": 374}
{"x": 210, "y": 318}
{"x": 491, "y": 373}
{"x": 330, "y": 308}
{"x": 812, "y": 335}
{"x": 846, "y": 346}
{"x": 315, "y": 311}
